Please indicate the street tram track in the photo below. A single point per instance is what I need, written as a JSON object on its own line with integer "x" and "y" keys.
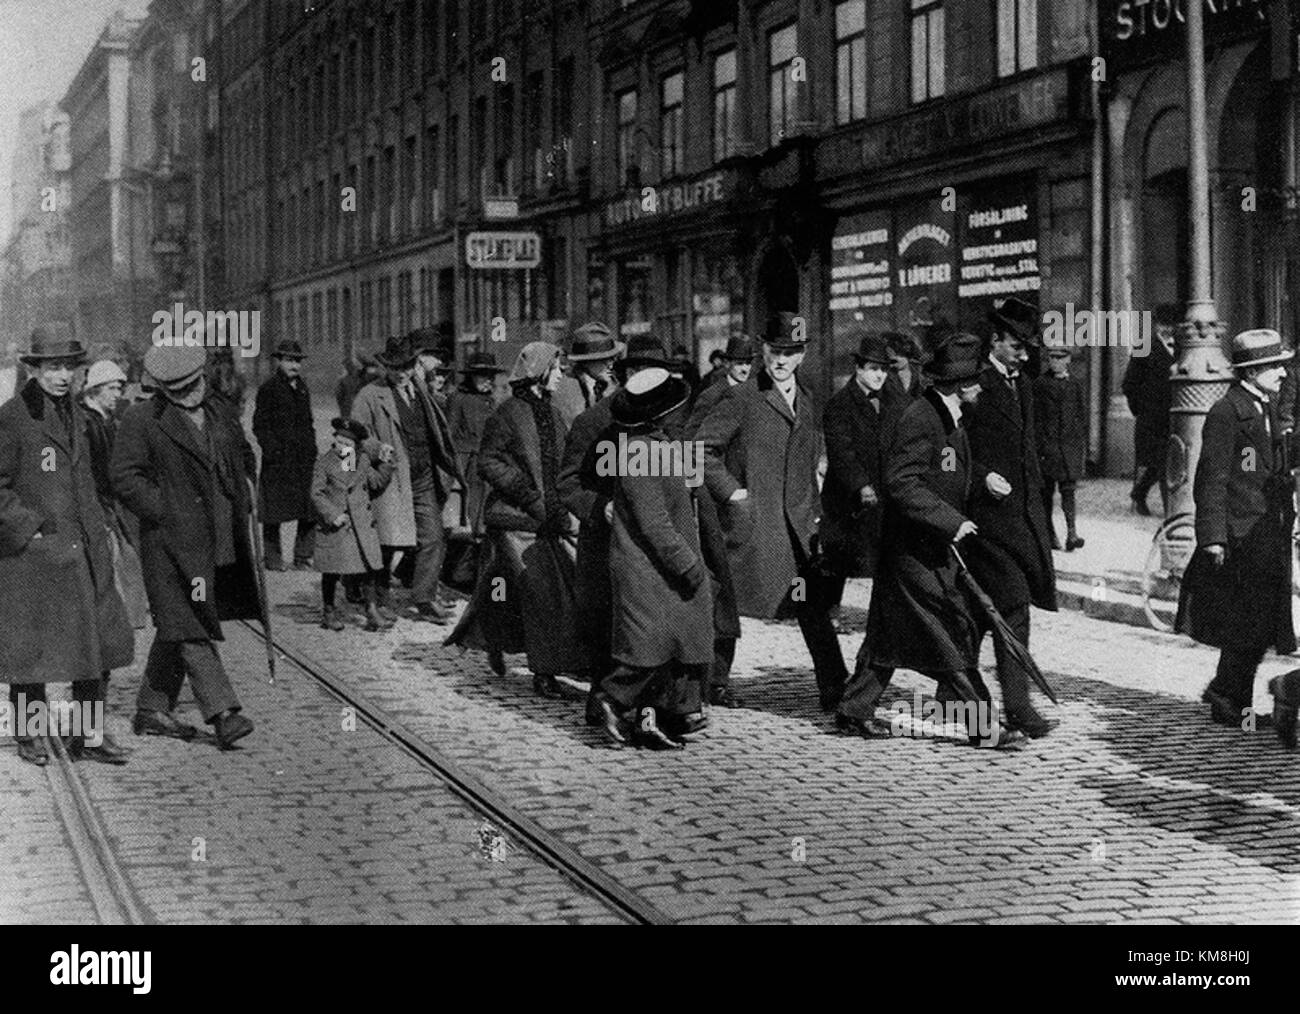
{"x": 552, "y": 850}
{"x": 111, "y": 893}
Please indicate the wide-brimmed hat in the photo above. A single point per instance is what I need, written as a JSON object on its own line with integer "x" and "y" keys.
{"x": 288, "y": 350}
{"x": 482, "y": 362}
{"x": 1258, "y": 347}
{"x": 175, "y": 366}
{"x": 105, "y": 371}
{"x": 872, "y": 348}
{"x": 741, "y": 348}
{"x": 1015, "y": 317}
{"x": 592, "y": 342}
{"x": 900, "y": 343}
{"x": 649, "y": 395}
{"x": 53, "y": 341}
{"x": 956, "y": 357}
{"x": 645, "y": 350}
{"x": 397, "y": 354}
{"x": 786, "y": 332}
{"x": 427, "y": 339}
{"x": 534, "y": 362}
{"x": 350, "y": 428}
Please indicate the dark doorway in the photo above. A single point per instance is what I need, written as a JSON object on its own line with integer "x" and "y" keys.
{"x": 1165, "y": 269}
{"x": 778, "y": 286}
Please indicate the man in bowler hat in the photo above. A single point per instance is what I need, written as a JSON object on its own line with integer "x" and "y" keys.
{"x": 286, "y": 432}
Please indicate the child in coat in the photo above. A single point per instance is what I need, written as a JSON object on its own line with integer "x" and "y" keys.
{"x": 346, "y": 478}
{"x": 1061, "y": 421}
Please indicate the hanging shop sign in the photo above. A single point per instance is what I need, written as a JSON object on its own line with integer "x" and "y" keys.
{"x": 1134, "y": 32}
{"x": 503, "y": 250}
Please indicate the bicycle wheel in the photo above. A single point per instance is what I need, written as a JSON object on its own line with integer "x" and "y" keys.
{"x": 1162, "y": 574}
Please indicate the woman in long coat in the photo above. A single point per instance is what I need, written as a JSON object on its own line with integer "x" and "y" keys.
{"x": 61, "y": 618}
{"x": 530, "y": 545}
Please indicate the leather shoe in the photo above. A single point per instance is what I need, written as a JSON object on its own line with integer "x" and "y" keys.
{"x": 871, "y": 728}
{"x": 547, "y": 686}
{"x": 648, "y": 733}
{"x": 329, "y": 619}
{"x": 1073, "y": 542}
{"x": 1284, "y": 721}
{"x": 496, "y": 661}
{"x": 231, "y": 726}
{"x": 830, "y": 700}
{"x": 431, "y": 612}
{"x": 1140, "y": 505}
{"x": 1031, "y": 723}
{"x": 724, "y": 697}
{"x": 32, "y": 750}
{"x": 1221, "y": 710}
{"x": 160, "y": 723}
{"x": 108, "y": 751}
{"x": 679, "y": 726}
{"x": 611, "y": 724}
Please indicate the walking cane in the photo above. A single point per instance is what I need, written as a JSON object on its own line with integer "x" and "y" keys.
{"x": 259, "y": 567}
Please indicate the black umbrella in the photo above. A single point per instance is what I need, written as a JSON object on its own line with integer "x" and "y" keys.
{"x": 1010, "y": 652}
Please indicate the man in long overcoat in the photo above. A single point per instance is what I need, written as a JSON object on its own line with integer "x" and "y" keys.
{"x": 762, "y": 445}
{"x": 1012, "y": 559}
{"x": 468, "y": 409}
{"x": 1149, "y": 395}
{"x": 738, "y": 363}
{"x": 408, "y": 514}
{"x": 183, "y": 467}
{"x": 1236, "y": 594}
{"x": 286, "y": 433}
{"x": 62, "y": 618}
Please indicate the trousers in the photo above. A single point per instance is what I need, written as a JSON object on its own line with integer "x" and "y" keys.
{"x": 168, "y": 665}
{"x": 430, "y": 541}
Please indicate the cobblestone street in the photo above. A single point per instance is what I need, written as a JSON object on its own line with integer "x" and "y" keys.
{"x": 1136, "y": 809}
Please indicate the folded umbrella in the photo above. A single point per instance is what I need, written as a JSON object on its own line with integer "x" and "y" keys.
{"x": 1010, "y": 652}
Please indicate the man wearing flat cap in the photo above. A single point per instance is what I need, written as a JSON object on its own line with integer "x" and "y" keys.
{"x": 1236, "y": 594}
{"x": 63, "y": 620}
{"x": 286, "y": 432}
{"x": 183, "y": 466}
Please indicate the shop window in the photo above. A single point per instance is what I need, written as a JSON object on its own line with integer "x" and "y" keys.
{"x": 385, "y": 308}
{"x": 503, "y": 165}
{"x": 724, "y": 105}
{"x": 1017, "y": 36}
{"x": 927, "y": 50}
{"x": 671, "y": 139}
{"x": 627, "y": 156}
{"x": 781, "y": 52}
{"x": 331, "y": 316}
{"x": 850, "y": 61}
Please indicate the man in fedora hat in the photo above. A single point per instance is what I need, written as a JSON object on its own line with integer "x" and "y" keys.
{"x": 1012, "y": 559}
{"x": 433, "y": 360}
{"x": 762, "y": 445}
{"x": 468, "y": 409}
{"x": 183, "y": 466}
{"x": 738, "y": 363}
{"x": 63, "y": 619}
{"x": 286, "y": 432}
{"x": 905, "y": 359}
{"x": 399, "y": 412}
{"x": 1236, "y": 593}
{"x": 592, "y": 355}
{"x": 920, "y": 616}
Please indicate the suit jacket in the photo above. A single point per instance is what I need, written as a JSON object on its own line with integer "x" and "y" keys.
{"x": 857, "y": 439}
{"x": 1012, "y": 557}
{"x": 376, "y": 407}
{"x": 1233, "y": 472}
{"x": 1061, "y": 415}
{"x": 752, "y": 441}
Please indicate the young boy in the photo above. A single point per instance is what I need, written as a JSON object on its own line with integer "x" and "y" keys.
{"x": 347, "y": 476}
{"x": 1061, "y": 418}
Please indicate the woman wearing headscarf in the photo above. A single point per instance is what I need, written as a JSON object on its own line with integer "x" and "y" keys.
{"x": 523, "y": 600}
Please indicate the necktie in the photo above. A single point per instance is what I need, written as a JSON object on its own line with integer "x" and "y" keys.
{"x": 601, "y": 385}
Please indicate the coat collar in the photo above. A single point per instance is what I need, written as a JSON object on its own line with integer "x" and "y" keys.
{"x": 937, "y": 403}
{"x": 34, "y": 398}
{"x": 180, "y": 429}
{"x": 994, "y": 384}
{"x": 776, "y": 399}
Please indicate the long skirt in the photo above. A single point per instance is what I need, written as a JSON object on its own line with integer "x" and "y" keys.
{"x": 524, "y": 601}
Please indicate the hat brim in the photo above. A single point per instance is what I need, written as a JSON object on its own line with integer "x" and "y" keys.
{"x": 30, "y": 360}
{"x": 619, "y": 410}
{"x": 784, "y": 346}
{"x": 183, "y": 382}
{"x": 587, "y": 357}
{"x": 1280, "y": 357}
{"x": 396, "y": 364}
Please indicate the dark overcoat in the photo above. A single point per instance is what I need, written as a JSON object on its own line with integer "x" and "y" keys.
{"x": 1243, "y": 501}
{"x": 753, "y": 441}
{"x": 61, "y": 617}
{"x": 1012, "y": 558}
{"x": 530, "y": 545}
{"x": 662, "y": 596}
{"x": 167, "y": 473}
{"x": 467, "y": 415}
{"x": 1061, "y": 415}
{"x": 705, "y": 400}
{"x": 920, "y": 616}
{"x": 352, "y": 548}
{"x": 286, "y": 433}
{"x": 123, "y": 529}
{"x": 857, "y": 438}
{"x": 1146, "y": 388}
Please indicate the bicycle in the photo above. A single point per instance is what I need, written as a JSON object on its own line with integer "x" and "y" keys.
{"x": 1162, "y": 574}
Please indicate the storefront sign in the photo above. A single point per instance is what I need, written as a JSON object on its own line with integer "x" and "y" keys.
{"x": 999, "y": 245}
{"x": 667, "y": 200}
{"x": 1134, "y": 32}
{"x": 975, "y": 119}
{"x": 503, "y": 250}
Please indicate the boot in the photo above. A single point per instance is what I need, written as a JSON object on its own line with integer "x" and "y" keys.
{"x": 374, "y": 621}
{"x": 330, "y": 619}
{"x": 384, "y": 604}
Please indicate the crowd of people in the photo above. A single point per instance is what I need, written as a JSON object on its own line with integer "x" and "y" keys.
{"x": 935, "y": 473}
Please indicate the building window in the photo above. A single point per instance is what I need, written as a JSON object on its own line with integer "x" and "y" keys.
{"x": 850, "y": 61}
{"x": 317, "y": 320}
{"x": 505, "y": 137}
{"x": 385, "y": 296}
{"x": 534, "y": 176}
{"x": 781, "y": 52}
{"x": 432, "y": 193}
{"x": 627, "y": 157}
{"x": 454, "y": 176}
{"x": 671, "y": 137}
{"x": 367, "y": 313}
{"x": 346, "y": 319}
{"x": 410, "y": 199}
{"x": 927, "y": 50}
{"x": 724, "y": 105}
{"x": 332, "y": 316}
{"x": 1017, "y": 36}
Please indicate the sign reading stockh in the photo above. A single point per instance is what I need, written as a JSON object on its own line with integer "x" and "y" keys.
{"x": 1134, "y": 32}
{"x": 503, "y": 250}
